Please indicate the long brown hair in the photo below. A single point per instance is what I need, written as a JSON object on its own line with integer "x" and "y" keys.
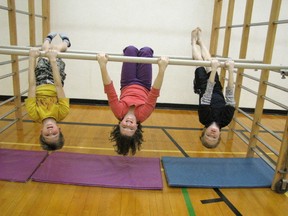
{"x": 124, "y": 144}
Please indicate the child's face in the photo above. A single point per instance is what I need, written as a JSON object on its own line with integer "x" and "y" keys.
{"x": 50, "y": 133}
{"x": 128, "y": 125}
{"x": 212, "y": 134}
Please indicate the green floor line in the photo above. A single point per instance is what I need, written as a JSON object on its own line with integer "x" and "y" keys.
{"x": 188, "y": 202}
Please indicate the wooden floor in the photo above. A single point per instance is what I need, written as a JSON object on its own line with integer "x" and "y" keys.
{"x": 86, "y": 130}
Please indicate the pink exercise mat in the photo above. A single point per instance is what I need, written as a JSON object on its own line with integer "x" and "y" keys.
{"x": 101, "y": 170}
{"x": 19, "y": 165}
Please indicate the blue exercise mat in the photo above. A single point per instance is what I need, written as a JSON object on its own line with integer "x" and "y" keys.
{"x": 217, "y": 172}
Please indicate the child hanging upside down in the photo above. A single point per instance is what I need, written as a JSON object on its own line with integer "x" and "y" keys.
{"x": 214, "y": 111}
{"x": 46, "y": 102}
{"x": 137, "y": 100}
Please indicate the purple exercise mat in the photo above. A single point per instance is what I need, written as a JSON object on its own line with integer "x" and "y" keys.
{"x": 19, "y": 165}
{"x": 101, "y": 170}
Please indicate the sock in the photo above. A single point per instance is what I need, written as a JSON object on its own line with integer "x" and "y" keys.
{"x": 65, "y": 39}
{"x": 50, "y": 36}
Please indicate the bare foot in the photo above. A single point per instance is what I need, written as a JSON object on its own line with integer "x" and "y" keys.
{"x": 199, "y": 31}
{"x": 194, "y": 36}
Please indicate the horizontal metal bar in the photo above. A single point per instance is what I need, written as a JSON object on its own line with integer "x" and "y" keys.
{"x": 241, "y": 136}
{"x": 40, "y": 16}
{"x": 6, "y": 62}
{"x": 221, "y": 27}
{"x": 265, "y": 82}
{"x": 24, "y": 92}
{"x": 23, "y": 12}
{"x": 250, "y": 77}
{"x": 23, "y": 70}
{"x": 23, "y": 58}
{"x": 7, "y": 101}
{"x": 242, "y": 125}
{"x": 266, "y": 98}
{"x": 244, "y": 113}
{"x": 253, "y": 24}
{"x": 267, "y": 145}
{"x": 235, "y": 26}
{"x": 276, "y": 86}
{"x": 153, "y": 60}
{"x": 6, "y": 75}
{"x": 275, "y": 102}
{"x": 258, "y": 24}
{"x": 266, "y": 158}
{"x": 231, "y": 26}
{"x": 12, "y": 74}
{"x": 7, "y": 126}
{"x": 18, "y": 47}
{"x": 112, "y": 58}
{"x": 270, "y": 131}
{"x": 14, "y": 97}
{"x": 117, "y": 54}
{"x": 220, "y": 58}
{"x": 5, "y": 8}
{"x": 20, "y": 11}
{"x": 156, "y": 56}
{"x": 24, "y": 114}
{"x": 247, "y": 89}
{"x": 17, "y": 11}
{"x": 281, "y": 21}
{"x": 83, "y": 51}
{"x": 8, "y": 113}
{"x": 12, "y": 61}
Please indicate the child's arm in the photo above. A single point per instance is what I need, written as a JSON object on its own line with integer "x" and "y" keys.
{"x": 52, "y": 55}
{"x": 33, "y": 54}
{"x": 206, "y": 99}
{"x": 162, "y": 65}
{"x": 229, "y": 93}
{"x": 102, "y": 61}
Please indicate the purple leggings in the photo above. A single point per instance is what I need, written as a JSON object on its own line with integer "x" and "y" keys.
{"x": 137, "y": 73}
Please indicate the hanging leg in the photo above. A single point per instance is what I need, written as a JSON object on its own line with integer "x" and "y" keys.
{"x": 144, "y": 71}
{"x": 128, "y": 73}
{"x": 196, "y": 54}
{"x": 47, "y": 42}
{"x": 206, "y": 56}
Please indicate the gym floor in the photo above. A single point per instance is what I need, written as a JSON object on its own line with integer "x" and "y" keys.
{"x": 166, "y": 133}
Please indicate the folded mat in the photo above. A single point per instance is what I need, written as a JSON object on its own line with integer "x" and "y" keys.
{"x": 19, "y": 165}
{"x": 217, "y": 172}
{"x": 101, "y": 170}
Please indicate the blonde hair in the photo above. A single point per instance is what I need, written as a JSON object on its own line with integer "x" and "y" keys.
{"x": 204, "y": 142}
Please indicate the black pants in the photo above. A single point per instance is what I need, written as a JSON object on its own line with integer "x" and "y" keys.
{"x": 201, "y": 79}
{"x": 200, "y": 83}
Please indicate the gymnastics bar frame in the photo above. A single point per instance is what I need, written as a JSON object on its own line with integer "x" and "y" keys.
{"x": 12, "y": 19}
{"x": 282, "y": 161}
{"x": 213, "y": 48}
{"x": 153, "y": 60}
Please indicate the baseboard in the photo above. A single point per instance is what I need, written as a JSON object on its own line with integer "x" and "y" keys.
{"x": 158, "y": 105}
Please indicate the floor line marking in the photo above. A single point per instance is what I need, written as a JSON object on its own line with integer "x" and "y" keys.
{"x": 188, "y": 202}
{"x": 144, "y": 150}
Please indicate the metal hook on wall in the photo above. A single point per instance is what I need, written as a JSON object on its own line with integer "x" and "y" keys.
{"x": 284, "y": 73}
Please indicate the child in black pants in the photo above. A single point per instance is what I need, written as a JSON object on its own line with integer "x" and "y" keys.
{"x": 215, "y": 111}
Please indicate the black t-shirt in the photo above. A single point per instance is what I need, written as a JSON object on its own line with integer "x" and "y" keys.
{"x": 221, "y": 115}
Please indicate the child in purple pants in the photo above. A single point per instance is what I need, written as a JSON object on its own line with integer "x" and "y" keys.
{"x": 137, "y": 99}
{"x": 137, "y": 73}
